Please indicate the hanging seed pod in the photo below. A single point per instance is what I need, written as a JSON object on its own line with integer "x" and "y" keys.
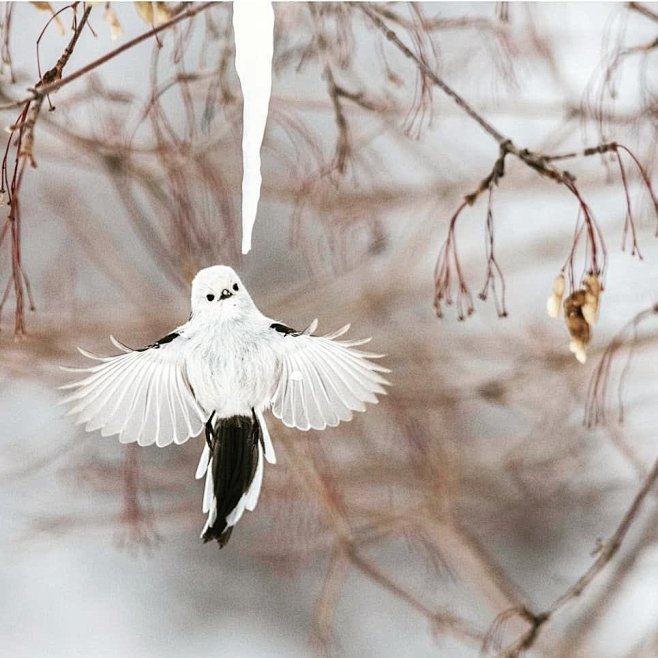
{"x": 46, "y": 6}
{"x": 579, "y": 328}
{"x": 111, "y": 18}
{"x": 554, "y": 301}
{"x": 592, "y": 287}
{"x": 577, "y": 347}
{"x": 153, "y": 13}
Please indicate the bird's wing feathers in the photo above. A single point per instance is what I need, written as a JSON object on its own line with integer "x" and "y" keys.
{"x": 323, "y": 380}
{"x": 141, "y": 395}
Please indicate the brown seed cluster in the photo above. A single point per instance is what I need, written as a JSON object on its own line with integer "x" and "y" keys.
{"x": 581, "y": 311}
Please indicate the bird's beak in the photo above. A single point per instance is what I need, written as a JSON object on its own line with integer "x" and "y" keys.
{"x": 226, "y": 293}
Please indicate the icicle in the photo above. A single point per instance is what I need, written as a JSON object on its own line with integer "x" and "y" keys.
{"x": 253, "y": 26}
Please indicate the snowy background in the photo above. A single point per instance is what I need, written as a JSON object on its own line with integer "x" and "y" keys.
{"x": 494, "y": 406}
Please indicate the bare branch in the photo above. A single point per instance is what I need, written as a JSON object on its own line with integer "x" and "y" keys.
{"x": 49, "y": 86}
{"x": 643, "y": 10}
{"x": 606, "y": 553}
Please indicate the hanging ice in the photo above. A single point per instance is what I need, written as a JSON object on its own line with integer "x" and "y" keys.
{"x": 253, "y": 26}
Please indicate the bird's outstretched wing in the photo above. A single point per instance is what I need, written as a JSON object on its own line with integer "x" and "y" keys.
{"x": 142, "y": 395}
{"x": 323, "y": 380}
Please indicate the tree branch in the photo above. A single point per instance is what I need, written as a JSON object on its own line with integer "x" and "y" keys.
{"x": 429, "y": 73}
{"x": 643, "y": 10}
{"x": 45, "y": 89}
{"x": 607, "y": 551}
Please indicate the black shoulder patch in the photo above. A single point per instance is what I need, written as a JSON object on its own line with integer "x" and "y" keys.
{"x": 286, "y": 331}
{"x": 163, "y": 341}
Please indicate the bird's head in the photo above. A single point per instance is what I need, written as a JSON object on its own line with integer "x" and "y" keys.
{"x": 218, "y": 291}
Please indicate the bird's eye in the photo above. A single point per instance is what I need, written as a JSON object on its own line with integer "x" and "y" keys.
{"x": 210, "y": 297}
{"x": 235, "y": 287}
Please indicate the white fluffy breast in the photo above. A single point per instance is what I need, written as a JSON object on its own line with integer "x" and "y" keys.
{"x": 233, "y": 368}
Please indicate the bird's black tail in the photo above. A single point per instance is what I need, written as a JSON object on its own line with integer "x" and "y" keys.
{"x": 236, "y": 447}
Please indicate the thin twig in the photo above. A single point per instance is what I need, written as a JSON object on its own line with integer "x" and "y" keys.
{"x": 595, "y": 249}
{"x": 643, "y": 10}
{"x": 430, "y": 74}
{"x": 597, "y": 390}
{"x": 607, "y": 551}
{"x": 23, "y": 128}
{"x": 46, "y": 89}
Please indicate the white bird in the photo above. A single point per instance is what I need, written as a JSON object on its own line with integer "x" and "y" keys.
{"x": 219, "y": 372}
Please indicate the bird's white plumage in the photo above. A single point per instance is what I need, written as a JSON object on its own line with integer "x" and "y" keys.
{"x": 209, "y": 504}
{"x": 208, "y": 496}
{"x": 229, "y": 359}
{"x": 143, "y": 396}
{"x": 203, "y": 462}
{"x": 267, "y": 440}
{"x": 324, "y": 380}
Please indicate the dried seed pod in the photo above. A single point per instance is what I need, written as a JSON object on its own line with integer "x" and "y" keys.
{"x": 153, "y": 13}
{"x": 579, "y": 328}
{"x": 145, "y": 10}
{"x": 592, "y": 285}
{"x": 578, "y": 349}
{"x": 554, "y": 301}
{"x": 46, "y": 6}
{"x": 162, "y": 12}
{"x": 111, "y": 18}
{"x": 592, "y": 288}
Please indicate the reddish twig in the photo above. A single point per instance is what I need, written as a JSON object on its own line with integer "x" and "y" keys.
{"x": 494, "y": 272}
{"x": 23, "y": 131}
{"x": 595, "y": 250}
{"x": 629, "y": 224}
{"x": 54, "y": 85}
{"x": 597, "y": 391}
{"x": 606, "y": 553}
{"x": 447, "y": 263}
{"x": 21, "y": 137}
{"x": 645, "y": 178}
{"x": 643, "y": 10}
{"x": 5, "y": 51}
